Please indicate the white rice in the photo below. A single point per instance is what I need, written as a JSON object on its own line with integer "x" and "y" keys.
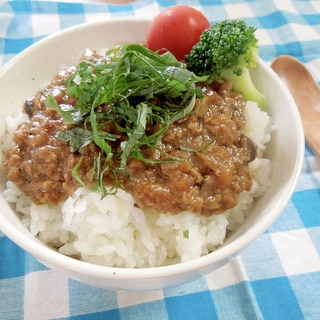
{"x": 113, "y": 232}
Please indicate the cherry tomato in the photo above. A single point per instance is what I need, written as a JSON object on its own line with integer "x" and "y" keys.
{"x": 176, "y": 29}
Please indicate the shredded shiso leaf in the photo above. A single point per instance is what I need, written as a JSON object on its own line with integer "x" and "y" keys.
{"x": 132, "y": 88}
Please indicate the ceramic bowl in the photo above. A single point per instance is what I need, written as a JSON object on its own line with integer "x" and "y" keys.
{"x": 33, "y": 69}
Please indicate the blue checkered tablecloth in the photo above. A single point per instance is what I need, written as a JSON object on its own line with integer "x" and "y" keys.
{"x": 277, "y": 277}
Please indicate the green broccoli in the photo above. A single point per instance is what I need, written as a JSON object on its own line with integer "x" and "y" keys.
{"x": 227, "y": 50}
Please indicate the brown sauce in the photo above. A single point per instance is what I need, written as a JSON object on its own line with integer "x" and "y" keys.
{"x": 211, "y": 173}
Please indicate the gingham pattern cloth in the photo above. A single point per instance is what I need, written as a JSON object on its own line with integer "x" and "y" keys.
{"x": 277, "y": 277}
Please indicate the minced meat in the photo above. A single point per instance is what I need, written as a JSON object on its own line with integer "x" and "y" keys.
{"x": 210, "y": 152}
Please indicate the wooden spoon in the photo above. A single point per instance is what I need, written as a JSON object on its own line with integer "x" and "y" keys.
{"x": 306, "y": 93}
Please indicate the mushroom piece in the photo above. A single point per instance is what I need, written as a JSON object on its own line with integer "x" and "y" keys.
{"x": 247, "y": 143}
{"x": 29, "y": 107}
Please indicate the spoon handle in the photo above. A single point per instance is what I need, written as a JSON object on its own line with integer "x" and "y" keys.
{"x": 306, "y": 93}
{"x": 313, "y": 139}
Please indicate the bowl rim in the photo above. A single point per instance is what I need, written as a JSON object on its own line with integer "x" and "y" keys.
{"x": 40, "y": 250}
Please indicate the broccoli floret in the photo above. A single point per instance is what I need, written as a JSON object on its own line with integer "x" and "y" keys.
{"x": 227, "y": 50}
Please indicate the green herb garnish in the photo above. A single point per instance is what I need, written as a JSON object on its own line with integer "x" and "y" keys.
{"x": 132, "y": 90}
{"x": 186, "y": 234}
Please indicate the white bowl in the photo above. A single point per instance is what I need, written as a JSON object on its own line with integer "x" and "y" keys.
{"x": 34, "y": 68}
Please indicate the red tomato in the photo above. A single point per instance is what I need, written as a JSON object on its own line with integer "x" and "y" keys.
{"x": 176, "y": 29}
